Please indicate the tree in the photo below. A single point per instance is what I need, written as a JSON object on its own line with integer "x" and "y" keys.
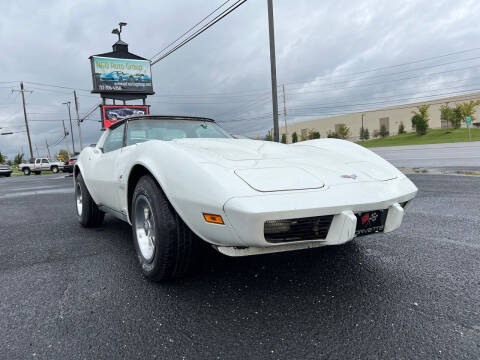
{"x": 364, "y": 134}
{"x": 18, "y": 159}
{"x": 284, "y": 138}
{"x": 383, "y": 131}
{"x": 9, "y": 163}
{"x": 343, "y": 131}
{"x": 457, "y": 117}
{"x": 468, "y": 109}
{"x": 64, "y": 155}
{"x": 448, "y": 114}
{"x": 314, "y": 134}
{"x": 420, "y": 119}
{"x": 269, "y": 136}
{"x": 401, "y": 129}
{"x": 2, "y": 158}
{"x": 294, "y": 137}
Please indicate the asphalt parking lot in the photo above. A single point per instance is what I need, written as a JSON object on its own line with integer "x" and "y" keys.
{"x": 69, "y": 292}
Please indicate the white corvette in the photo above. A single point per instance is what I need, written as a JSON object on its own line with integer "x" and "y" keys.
{"x": 177, "y": 180}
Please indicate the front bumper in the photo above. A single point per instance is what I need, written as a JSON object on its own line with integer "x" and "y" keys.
{"x": 5, "y": 172}
{"x": 247, "y": 215}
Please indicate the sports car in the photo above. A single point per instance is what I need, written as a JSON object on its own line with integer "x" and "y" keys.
{"x": 115, "y": 76}
{"x": 180, "y": 181}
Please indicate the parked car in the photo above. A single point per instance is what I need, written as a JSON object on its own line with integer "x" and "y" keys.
{"x": 142, "y": 77}
{"x": 68, "y": 165}
{"x": 5, "y": 170}
{"x": 115, "y": 76}
{"x": 182, "y": 180}
{"x": 40, "y": 164}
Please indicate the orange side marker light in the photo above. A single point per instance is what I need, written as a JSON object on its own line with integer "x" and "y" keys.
{"x": 212, "y": 218}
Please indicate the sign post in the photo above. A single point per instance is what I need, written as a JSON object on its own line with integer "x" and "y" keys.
{"x": 468, "y": 120}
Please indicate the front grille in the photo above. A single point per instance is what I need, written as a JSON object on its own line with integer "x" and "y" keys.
{"x": 310, "y": 228}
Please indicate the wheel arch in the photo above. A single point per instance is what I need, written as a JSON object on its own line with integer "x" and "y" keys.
{"x": 137, "y": 171}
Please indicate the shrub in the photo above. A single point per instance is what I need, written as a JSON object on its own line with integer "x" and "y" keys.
{"x": 364, "y": 134}
{"x": 343, "y": 131}
{"x": 314, "y": 134}
{"x": 420, "y": 120}
{"x": 269, "y": 136}
{"x": 332, "y": 134}
{"x": 401, "y": 129}
{"x": 284, "y": 138}
{"x": 294, "y": 137}
{"x": 383, "y": 131}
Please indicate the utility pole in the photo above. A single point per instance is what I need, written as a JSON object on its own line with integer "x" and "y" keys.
{"x": 273, "y": 70}
{"x": 65, "y": 134}
{"x": 48, "y": 149}
{"x": 285, "y": 114}
{"x": 71, "y": 126}
{"x": 78, "y": 120}
{"x": 22, "y": 91}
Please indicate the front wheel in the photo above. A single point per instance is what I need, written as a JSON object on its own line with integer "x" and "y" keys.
{"x": 55, "y": 169}
{"x": 26, "y": 171}
{"x": 166, "y": 247}
{"x": 88, "y": 213}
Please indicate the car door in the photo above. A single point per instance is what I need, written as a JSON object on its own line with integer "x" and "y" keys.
{"x": 38, "y": 164}
{"x": 103, "y": 175}
{"x": 45, "y": 165}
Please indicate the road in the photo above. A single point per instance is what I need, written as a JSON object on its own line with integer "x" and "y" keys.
{"x": 461, "y": 156}
{"x": 69, "y": 292}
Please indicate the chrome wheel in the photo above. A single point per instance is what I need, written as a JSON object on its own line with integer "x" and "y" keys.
{"x": 145, "y": 227}
{"x": 78, "y": 195}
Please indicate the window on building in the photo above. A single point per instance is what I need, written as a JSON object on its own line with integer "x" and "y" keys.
{"x": 385, "y": 121}
{"x": 304, "y": 133}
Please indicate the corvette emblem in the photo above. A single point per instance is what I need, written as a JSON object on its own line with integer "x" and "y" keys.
{"x": 365, "y": 218}
{"x": 352, "y": 176}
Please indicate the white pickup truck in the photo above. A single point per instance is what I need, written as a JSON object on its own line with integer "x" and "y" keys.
{"x": 39, "y": 165}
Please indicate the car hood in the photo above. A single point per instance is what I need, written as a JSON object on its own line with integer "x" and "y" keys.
{"x": 270, "y": 166}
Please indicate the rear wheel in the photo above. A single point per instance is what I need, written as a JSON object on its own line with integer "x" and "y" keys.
{"x": 26, "y": 171}
{"x": 165, "y": 246}
{"x": 88, "y": 213}
{"x": 55, "y": 169}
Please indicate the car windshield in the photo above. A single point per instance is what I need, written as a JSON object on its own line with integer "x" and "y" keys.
{"x": 166, "y": 130}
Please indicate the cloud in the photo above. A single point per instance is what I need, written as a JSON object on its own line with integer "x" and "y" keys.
{"x": 225, "y": 72}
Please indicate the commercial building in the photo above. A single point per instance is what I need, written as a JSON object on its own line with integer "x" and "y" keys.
{"x": 391, "y": 117}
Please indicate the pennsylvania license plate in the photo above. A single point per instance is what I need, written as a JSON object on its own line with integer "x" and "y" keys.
{"x": 370, "y": 222}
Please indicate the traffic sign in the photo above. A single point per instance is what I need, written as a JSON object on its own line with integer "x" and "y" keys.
{"x": 468, "y": 119}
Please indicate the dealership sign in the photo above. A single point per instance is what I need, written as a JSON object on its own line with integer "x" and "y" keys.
{"x": 121, "y": 75}
{"x": 113, "y": 113}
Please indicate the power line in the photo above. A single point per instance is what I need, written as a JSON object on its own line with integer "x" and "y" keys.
{"x": 202, "y": 29}
{"x": 389, "y": 66}
{"x": 468, "y": 96}
{"x": 189, "y": 30}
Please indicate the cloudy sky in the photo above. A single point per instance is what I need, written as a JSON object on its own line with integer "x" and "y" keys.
{"x": 334, "y": 56}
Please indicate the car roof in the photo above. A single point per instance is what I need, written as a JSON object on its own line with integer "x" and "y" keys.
{"x": 159, "y": 117}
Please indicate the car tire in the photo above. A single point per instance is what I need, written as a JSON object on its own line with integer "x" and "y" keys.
{"x": 38, "y": 172}
{"x": 8, "y": 175}
{"x": 165, "y": 246}
{"x": 55, "y": 169}
{"x": 88, "y": 213}
{"x": 26, "y": 171}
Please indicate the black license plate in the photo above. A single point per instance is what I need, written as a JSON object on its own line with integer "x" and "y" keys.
{"x": 370, "y": 222}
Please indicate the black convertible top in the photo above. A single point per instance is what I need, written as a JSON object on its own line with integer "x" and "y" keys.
{"x": 160, "y": 117}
